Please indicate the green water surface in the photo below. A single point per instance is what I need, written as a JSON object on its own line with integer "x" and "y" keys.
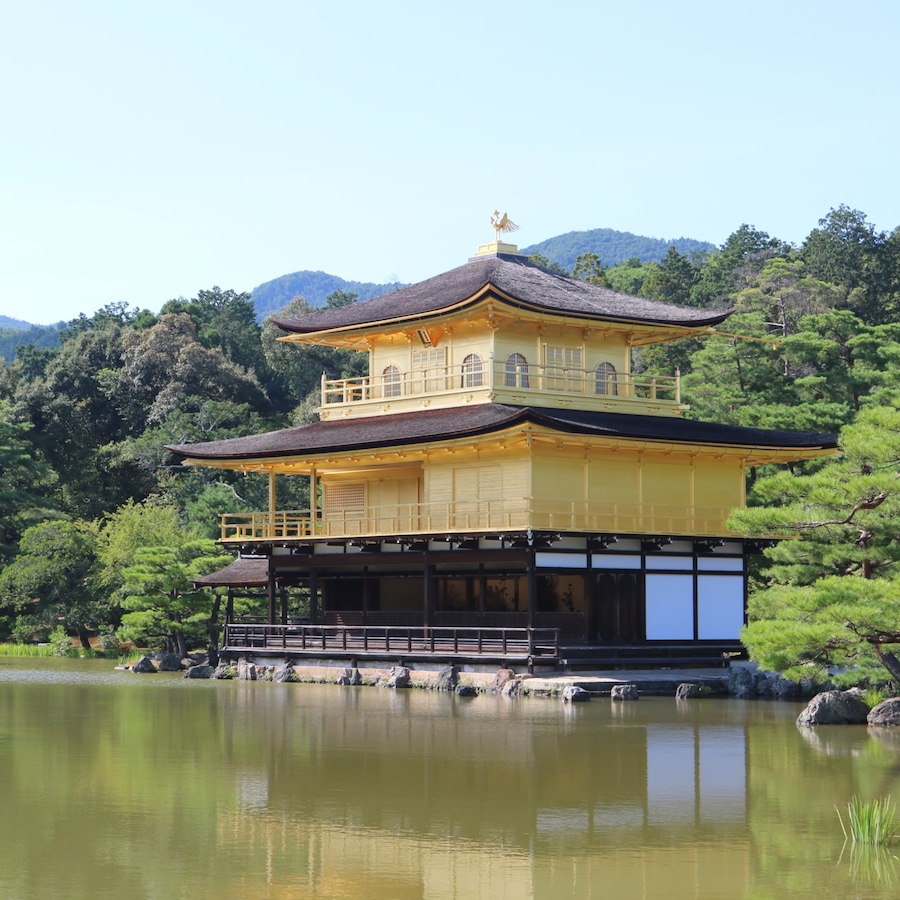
{"x": 128, "y": 786}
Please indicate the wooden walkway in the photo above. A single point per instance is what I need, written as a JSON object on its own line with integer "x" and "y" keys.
{"x": 393, "y": 642}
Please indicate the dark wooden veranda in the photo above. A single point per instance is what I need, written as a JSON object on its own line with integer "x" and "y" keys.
{"x": 394, "y": 643}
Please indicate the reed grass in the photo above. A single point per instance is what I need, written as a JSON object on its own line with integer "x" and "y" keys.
{"x": 26, "y": 650}
{"x": 870, "y": 821}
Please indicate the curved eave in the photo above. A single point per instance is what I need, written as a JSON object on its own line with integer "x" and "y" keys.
{"x": 355, "y": 333}
{"x": 444, "y": 427}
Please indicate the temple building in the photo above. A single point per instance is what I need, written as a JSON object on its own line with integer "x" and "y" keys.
{"x": 501, "y": 484}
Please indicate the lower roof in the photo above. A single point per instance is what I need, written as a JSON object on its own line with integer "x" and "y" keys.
{"x": 427, "y": 426}
{"x": 245, "y": 571}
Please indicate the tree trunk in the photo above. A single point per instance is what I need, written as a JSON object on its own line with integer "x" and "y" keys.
{"x": 889, "y": 661}
{"x": 83, "y": 637}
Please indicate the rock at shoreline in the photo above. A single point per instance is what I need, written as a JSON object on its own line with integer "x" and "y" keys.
{"x": 624, "y": 692}
{"x": 447, "y": 678}
{"x": 466, "y": 690}
{"x": 222, "y": 672}
{"x": 501, "y": 679}
{"x": 350, "y": 676}
{"x": 835, "y": 708}
{"x": 246, "y": 670}
{"x": 742, "y": 683}
{"x": 688, "y": 690}
{"x": 886, "y": 714}
{"x": 575, "y": 694}
{"x": 143, "y": 666}
{"x": 199, "y": 672}
{"x": 170, "y": 663}
{"x": 283, "y": 672}
{"x": 398, "y": 677}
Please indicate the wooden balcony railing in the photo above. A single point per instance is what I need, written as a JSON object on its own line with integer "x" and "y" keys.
{"x": 397, "y": 639}
{"x": 489, "y": 376}
{"x": 476, "y": 516}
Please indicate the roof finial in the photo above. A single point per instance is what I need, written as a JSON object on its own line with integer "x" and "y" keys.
{"x": 502, "y": 223}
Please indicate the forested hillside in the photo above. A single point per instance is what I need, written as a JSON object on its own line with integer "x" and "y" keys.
{"x": 613, "y": 247}
{"x": 23, "y": 334}
{"x": 91, "y": 500}
{"x": 314, "y": 287}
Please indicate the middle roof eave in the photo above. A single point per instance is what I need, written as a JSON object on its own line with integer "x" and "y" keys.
{"x": 424, "y": 426}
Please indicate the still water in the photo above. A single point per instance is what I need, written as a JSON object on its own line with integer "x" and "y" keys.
{"x": 119, "y": 785}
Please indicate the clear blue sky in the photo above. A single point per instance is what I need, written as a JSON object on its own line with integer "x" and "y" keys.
{"x": 153, "y": 149}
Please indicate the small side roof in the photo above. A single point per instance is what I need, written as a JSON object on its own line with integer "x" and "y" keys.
{"x": 245, "y": 571}
{"x": 524, "y": 283}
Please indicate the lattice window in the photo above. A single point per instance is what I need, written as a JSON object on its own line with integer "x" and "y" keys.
{"x": 605, "y": 379}
{"x": 563, "y": 368}
{"x": 516, "y": 371}
{"x": 431, "y": 367}
{"x": 392, "y": 386}
{"x": 473, "y": 374}
{"x": 344, "y": 495}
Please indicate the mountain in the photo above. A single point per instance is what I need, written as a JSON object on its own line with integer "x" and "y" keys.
{"x": 17, "y": 324}
{"x": 23, "y": 334}
{"x": 314, "y": 287}
{"x": 271, "y": 297}
{"x": 612, "y": 247}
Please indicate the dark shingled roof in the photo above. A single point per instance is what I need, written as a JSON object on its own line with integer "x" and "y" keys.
{"x": 422, "y": 426}
{"x": 526, "y": 283}
{"x": 245, "y": 571}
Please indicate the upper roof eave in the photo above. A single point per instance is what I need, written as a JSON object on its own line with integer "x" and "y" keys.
{"x": 519, "y": 282}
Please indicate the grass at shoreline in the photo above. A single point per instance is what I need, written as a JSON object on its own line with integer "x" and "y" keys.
{"x": 25, "y": 651}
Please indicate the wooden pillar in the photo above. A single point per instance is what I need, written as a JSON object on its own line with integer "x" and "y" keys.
{"x": 272, "y": 503}
{"x": 313, "y": 596}
{"x": 229, "y": 606}
{"x": 429, "y": 593}
{"x": 482, "y": 594}
{"x": 282, "y": 591}
{"x": 270, "y": 593}
{"x": 367, "y": 595}
{"x": 313, "y": 502}
{"x": 532, "y": 589}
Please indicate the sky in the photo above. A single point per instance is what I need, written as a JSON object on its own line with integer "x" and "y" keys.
{"x": 152, "y": 150}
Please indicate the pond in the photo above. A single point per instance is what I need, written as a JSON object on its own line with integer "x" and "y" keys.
{"x": 119, "y": 785}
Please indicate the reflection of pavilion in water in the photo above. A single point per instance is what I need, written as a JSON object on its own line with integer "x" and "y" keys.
{"x": 657, "y": 810}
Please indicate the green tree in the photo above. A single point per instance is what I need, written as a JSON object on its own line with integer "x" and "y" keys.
{"x": 735, "y": 265}
{"x": 673, "y": 279}
{"x": 628, "y": 277}
{"x": 589, "y": 268}
{"x": 538, "y": 259}
{"x": 828, "y": 600}
{"x": 162, "y": 606}
{"x": 25, "y": 482}
{"x": 49, "y": 582}
{"x": 225, "y": 320}
{"x": 151, "y": 523}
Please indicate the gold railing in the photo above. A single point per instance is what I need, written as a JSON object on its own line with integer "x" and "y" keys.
{"x": 476, "y": 516}
{"x": 501, "y": 375}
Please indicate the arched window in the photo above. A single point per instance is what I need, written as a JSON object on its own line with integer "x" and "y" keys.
{"x": 391, "y": 376}
{"x": 472, "y": 375}
{"x": 605, "y": 379}
{"x": 516, "y": 371}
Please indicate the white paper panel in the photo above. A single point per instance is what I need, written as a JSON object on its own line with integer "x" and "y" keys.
{"x": 720, "y": 607}
{"x": 615, "y": 561}
{"x": 670, "y": 607}
{"x": 664, "y": 561}
{"x": 719, "y": 564}
{"x": 561, "y": 560}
